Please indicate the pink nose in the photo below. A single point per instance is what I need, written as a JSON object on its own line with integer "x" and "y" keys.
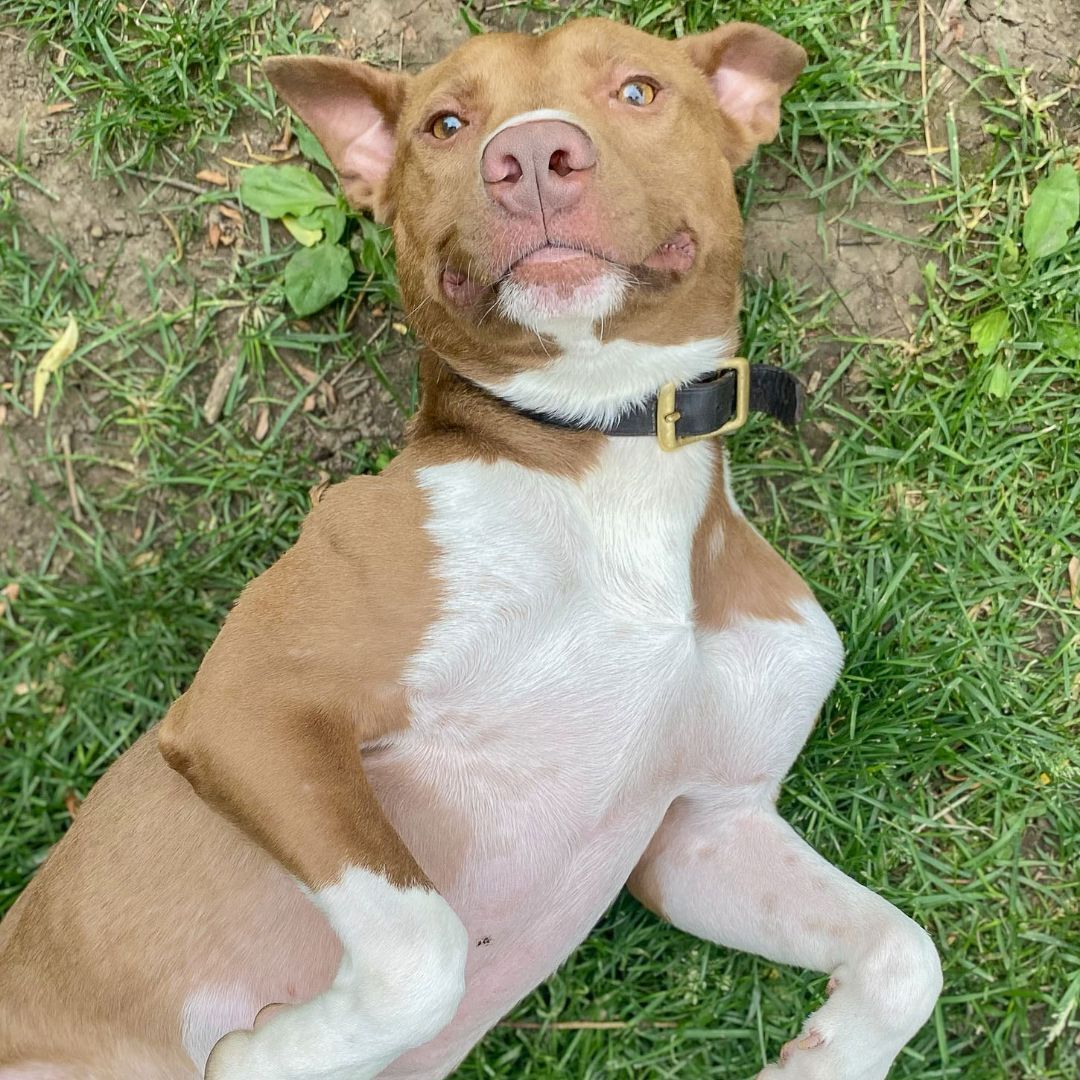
{"x": 540, "y": 165}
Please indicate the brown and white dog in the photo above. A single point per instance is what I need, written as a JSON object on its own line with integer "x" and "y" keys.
{"x": 525, "y": 665}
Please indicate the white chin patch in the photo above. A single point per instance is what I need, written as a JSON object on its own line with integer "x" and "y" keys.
{"x": 559, "y": 310}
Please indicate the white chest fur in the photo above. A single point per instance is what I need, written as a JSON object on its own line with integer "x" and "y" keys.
{"x": 564, "y": 599}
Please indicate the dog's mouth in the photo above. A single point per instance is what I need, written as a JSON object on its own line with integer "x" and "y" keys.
{"x": 561, "y": 268}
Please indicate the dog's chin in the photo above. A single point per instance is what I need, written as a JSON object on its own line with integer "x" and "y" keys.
{"x": 559, "y": 288}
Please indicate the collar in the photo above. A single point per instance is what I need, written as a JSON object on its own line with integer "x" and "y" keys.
{"x": 704, "y": 409}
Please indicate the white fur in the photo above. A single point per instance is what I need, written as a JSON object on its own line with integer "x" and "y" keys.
{"x": 400, "y": 980}
{"x": 546, "y": 310}
{"x": 531, "y": 116}
{"x": 594, "y": 381}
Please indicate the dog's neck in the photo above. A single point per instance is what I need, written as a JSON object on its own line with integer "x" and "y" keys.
{"x": 589, "y": 383}
{"x": 459, "y": 419}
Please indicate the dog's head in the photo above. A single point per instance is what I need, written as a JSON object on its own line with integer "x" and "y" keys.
{"x": 552, "y": 194}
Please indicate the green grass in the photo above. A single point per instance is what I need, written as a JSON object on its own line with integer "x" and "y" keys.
{"x": 934, "y": 505}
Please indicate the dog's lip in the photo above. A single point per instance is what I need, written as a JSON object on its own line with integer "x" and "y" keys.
{"x": 557, "y": 251}
{"x": 677, "y": 252}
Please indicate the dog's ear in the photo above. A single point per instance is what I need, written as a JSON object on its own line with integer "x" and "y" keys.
{"x": 749, "y": 69}
{"x": 352, "y": 109}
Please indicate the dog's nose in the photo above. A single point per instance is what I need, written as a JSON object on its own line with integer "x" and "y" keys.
{"x": 542, "y": 164}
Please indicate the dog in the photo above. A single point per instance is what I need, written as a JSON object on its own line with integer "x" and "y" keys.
{"x": 541, "y": 656}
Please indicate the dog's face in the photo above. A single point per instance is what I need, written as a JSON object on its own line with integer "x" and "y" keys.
{"x": 545, "y": 188}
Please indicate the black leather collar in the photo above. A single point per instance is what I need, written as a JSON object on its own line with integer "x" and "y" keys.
{"x": 703, "y": 408}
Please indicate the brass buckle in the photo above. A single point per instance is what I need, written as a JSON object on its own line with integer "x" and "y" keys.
{"x": 667, "y": 416}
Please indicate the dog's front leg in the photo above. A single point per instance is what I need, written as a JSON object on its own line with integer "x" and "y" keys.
{"x": 268, "y": 735}
{"x": 743, "y": 878}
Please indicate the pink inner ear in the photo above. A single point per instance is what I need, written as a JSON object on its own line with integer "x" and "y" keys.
{"x": 362, "y": 139}
{"x": 749, "y": 100}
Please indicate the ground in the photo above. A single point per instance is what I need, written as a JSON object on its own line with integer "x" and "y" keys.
{"x": 931, "y": 497}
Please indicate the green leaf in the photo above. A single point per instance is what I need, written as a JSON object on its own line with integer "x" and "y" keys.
{"x": 1063, "y": 338}
{"x": 1053, "y": 213}
{"x": 989, "y": 330}
{"x": 331, "y": 219}
{"x": 314, "y": 276}
{"x": 309, "y": 237}
{"x": 1010, "y": 255}
{"x": 310, "y": 147}
{"x": 277, "y": 190}
{"x": 998, "y": 383}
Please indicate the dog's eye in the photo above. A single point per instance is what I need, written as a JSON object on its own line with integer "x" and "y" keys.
{"x": 446, "y": 126}
{"x": 637, "y": 92}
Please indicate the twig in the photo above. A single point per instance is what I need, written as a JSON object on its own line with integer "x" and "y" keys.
{"x": 925, "y": 86}
{"x": 585, "y": 1025}
{"x": 380, "y": 329}
{"x": 69, "y": 472}
{"x": 180, "y": 185}
{"x": 175, "y": 235}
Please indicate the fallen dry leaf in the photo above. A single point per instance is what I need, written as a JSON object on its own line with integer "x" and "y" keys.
{"x": 262, "y": 424}
{"x": 980, "y": 610}
{"x": 3, "y": 414}
{"x": 231, "y": 214}
{"x": 72, "y": 802}
{"x": 400, "y": 327}
{"x": 213, "y": 235}
{"x": 1074, "y": 581}
{"x": 60, "y": 350}
{"x": 59, "y": 107}
{"x": 10, "y": 593}
{"x": 319, "y": 14}
{"x": 309, "y": 403}
{"x": 304, "y": 371}
{"x": 212, "y": 176}
{"x": 219, "y": 389}
{"x": 316, "y": 493}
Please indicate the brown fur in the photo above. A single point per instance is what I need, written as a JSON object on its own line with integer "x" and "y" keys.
{"x": 735, "y": 573}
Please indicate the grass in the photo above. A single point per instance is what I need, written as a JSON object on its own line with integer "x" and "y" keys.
{"x": 933, "y": 505}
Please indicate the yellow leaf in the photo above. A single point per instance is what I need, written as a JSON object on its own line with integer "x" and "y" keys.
{"x": 61, "y": 349}
{"x": 307, "y": 237}
{"x": 1044, "y": 778}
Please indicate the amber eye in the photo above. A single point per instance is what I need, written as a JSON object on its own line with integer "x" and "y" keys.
{"x": 446, "y": 126}
{"x": 637, "y": 92}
